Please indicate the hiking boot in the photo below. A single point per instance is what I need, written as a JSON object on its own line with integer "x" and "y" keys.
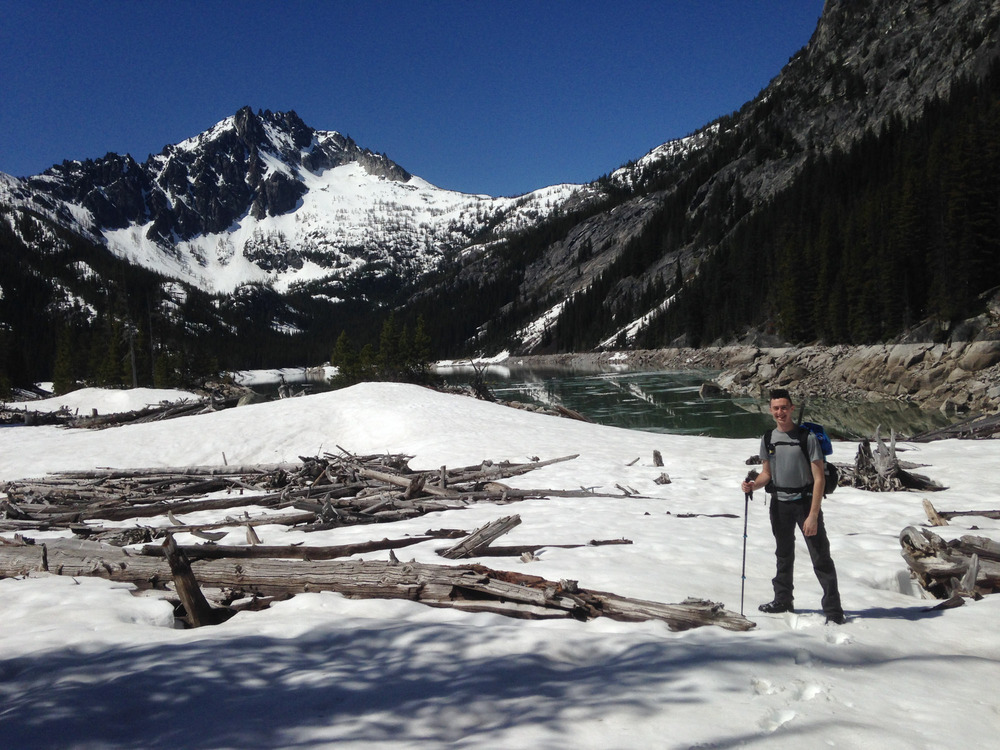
{"x": 775, "y": 607}
{"x": 836, "y": 618}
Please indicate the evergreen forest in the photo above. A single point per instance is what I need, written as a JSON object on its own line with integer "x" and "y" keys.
{"x": 863, "y": 245}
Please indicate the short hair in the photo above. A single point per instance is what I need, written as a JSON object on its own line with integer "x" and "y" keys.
{"x": 780, "y": 393}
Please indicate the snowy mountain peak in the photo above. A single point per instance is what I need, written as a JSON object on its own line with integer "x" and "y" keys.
{"x": 263, "y": 197}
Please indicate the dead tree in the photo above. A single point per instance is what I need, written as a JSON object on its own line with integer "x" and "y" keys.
{"x": 879, "y": 470}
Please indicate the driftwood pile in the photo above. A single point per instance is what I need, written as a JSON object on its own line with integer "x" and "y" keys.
{"x": 210, "y": 396}
{"x": 320, "y": 493}
{"x": 964, "y": 567}
{"x": 956, "y": 570}
{"x": 152, "y": 413}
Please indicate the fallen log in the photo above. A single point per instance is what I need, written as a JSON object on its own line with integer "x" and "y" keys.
{"x": 471, "y": 588}
{"x": 97, "y": 532}
{"x": 941, "y": 517}
{"x": 284, "y": 552}
{"x": 198, "y": 612}
{"x": 178, "y": 471}
{"x": 942, "y": 568}
{"x": 154, "y": 413}
{"x": 480, "y": 542}
{"x": 974, "y": 428}
{"x": 481, "y": 538}
{"x": 178, "y": 507}
{"x": 530, "y": 549}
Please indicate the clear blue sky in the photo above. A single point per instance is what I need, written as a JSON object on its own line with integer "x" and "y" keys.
{"x": 474, "y": 95}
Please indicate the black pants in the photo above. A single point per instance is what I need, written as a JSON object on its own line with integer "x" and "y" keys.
{"x": 785, "y": 516}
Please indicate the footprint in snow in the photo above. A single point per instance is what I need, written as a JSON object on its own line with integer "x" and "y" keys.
{"x": 776, "y": 719}
{"x": 838, "y": 638}
{"x": 803, "y": 657}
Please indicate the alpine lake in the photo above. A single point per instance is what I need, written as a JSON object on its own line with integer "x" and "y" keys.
{"x": 668, "y": 401}
{"x": 674, "y": 402}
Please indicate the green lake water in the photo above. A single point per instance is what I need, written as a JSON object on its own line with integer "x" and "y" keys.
{"x": 671, "y": 402}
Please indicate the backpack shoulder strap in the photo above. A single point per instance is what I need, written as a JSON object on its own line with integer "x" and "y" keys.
{"x": 769, "y": 444}
{"x": 804, "y": 433}
{"x": 804, "y": 442}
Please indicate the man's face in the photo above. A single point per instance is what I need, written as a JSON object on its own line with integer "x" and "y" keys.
{"x": 781, "y": 410}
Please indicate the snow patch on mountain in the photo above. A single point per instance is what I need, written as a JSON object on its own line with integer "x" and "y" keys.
{"x": 666, "y": 155}
{"x": 348, "y": 220}
{"x": 531, "y": 335}
{"x": 261, "y": 198}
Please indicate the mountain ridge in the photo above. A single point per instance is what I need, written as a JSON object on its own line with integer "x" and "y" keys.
{"x": 306, "y": 232}
{"x": 221, "y": 201}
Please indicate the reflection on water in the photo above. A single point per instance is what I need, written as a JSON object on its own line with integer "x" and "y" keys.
{"x": 672, "y": 402}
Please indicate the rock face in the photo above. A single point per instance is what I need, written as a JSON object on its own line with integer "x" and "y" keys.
{"x": 959, "y": 375}
{"x": 930, "y": 375}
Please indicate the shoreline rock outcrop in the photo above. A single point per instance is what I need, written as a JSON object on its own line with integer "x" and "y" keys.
{"x": 960, "y": 378}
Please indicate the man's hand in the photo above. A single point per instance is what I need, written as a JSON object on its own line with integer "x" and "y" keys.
{"x": 811, "y": 525}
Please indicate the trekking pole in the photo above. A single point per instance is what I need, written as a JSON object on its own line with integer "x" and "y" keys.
{"x": 747, "y": 497}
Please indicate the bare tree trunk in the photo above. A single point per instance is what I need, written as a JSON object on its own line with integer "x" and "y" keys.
{"x": 199, "y": 611}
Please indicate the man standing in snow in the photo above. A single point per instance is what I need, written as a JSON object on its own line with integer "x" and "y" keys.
{"x": 796, "y": 498}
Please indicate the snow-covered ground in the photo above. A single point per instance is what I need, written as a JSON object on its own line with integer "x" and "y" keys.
{"x": 84, "y": 664}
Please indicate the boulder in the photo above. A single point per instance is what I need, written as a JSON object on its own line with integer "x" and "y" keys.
{"x": 979, "y": 355}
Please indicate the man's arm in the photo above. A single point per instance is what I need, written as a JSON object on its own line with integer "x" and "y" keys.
{"x": 811, "y": 524}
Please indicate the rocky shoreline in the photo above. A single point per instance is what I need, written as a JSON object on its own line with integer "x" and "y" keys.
{"x": 959, "y": 379}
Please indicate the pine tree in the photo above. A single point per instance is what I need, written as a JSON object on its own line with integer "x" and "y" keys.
{"x": 63, "y": 372}
{"x": 345, "y": 359}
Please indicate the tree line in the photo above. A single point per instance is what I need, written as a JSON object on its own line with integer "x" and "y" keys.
{"x": 402, "y": 355}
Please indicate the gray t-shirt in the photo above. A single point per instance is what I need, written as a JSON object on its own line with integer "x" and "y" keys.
{"x": 789, "y": 468}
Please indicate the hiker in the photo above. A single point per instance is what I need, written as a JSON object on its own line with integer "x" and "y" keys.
{"x": 796, "y": 488}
